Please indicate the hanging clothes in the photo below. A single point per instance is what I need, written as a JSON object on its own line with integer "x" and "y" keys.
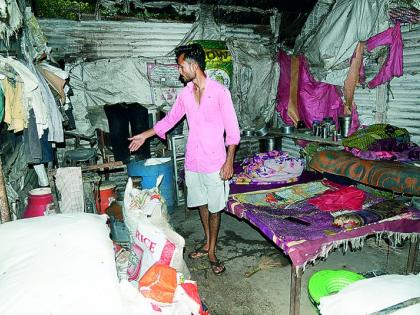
{"x": 55, "y": 119}
{"x": 32, "y": 145}
{"x": 15, "y": 115}
{"x": 393, "y": 66}
{"x": 32, "y": 97}
{"x": 37, "y": 149}
{"x": 55, "y": 82}
{"x": 301, "y": 97}
{"x": 11, "y": 19}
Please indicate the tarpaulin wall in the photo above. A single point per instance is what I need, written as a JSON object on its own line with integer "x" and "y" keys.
{"x": 109, "y": 63}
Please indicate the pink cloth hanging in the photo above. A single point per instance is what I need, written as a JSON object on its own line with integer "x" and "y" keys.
{"x": 315, "y": 100}
{"x": 393, "y": 67}
{"x": 283, "y": 91}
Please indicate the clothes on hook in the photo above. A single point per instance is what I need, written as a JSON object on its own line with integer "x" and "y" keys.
{"x": 122, "y": 118}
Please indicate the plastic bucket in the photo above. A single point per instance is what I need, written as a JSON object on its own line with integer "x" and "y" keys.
{"x": 149, "y": 175}
{"x": 104, "y": 198}
{"x": 326, "y": 282}
{"x": 38, "y": 201}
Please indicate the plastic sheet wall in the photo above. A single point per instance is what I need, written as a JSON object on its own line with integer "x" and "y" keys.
{"x": 91, "y": 44}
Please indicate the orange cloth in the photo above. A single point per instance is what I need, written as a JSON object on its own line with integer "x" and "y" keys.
{"x": 353, "y": 77}
{"x": 292, "y": 109}
{"x": 55, "y": 82}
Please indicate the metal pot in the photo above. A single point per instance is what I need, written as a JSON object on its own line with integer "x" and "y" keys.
{"x": 261, "y": 132}
{"x": 247, "y": 133}
{"x": 288, "y": 129}
{"x": 270, "y": 144}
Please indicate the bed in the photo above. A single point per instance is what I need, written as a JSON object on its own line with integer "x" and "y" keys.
{"x": 305, "y": 233}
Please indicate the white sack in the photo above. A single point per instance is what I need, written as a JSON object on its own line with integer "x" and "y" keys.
{"x": 60, "y": 264}
{"x": 154, "y": 244}
{"x": 374, "y": 294}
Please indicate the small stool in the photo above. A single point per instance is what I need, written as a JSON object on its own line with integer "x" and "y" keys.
{"x": 79, "y": 157}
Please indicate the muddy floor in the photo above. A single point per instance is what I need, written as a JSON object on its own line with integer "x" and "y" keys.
{"x": 257, "y": 277}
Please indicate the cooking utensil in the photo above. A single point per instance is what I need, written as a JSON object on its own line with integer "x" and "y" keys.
{"x": 248, "y": 133}
{"x": 345, "y": 123}
{"x": 270, "y": 143}
{"x": 262, "y": 131}
{"x": 287, "y": 129}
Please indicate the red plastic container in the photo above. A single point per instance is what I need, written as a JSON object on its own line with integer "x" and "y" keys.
{"x": 106, "y": 195}
{"x": 38, "y": 201}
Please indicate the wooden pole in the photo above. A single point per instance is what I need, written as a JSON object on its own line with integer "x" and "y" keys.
{"x": 4, "y": 203}
{"x": 412, "y": 255}
{"x": 295, "y": 287}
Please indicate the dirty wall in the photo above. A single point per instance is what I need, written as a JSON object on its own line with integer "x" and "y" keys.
{"x": 87, "y": 45}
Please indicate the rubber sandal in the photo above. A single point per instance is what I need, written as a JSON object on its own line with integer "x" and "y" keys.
{"x": 217, "y": 267}
{"x": 198, "y": 253}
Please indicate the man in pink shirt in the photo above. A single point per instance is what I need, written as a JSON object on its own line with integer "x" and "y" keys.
{"x": 210, "y": 115}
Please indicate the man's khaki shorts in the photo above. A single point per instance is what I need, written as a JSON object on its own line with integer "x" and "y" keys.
{"x": 206, "y": 189}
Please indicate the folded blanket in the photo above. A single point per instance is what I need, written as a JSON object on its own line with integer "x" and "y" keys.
{"x": 366, "y": 138}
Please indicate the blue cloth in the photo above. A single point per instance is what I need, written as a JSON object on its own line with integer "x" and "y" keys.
{"x": 37, "y": 150}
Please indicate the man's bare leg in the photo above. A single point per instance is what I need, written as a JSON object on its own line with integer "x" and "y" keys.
{"x": 214, "y": 224}
{"x": 204, "y": 216}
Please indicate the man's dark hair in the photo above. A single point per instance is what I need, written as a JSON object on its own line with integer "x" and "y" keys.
{"x": 193, "y": 52}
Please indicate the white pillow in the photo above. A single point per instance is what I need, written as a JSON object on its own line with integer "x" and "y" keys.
{"x": 372, "y": 295}
{"x": 57, "y": 265}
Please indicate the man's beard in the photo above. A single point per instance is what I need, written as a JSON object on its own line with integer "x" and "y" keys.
{"x": 183, "y": 80}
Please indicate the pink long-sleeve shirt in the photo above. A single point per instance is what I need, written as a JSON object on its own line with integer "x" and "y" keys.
{"x": 207, "y": 122}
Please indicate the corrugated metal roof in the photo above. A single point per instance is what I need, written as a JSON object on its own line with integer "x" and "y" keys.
{"x": 300, "y": 6}
{"x": 111, "y": 39}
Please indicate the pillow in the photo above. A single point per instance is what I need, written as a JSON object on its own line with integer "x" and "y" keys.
{"x": 372, "y": 295}
{"x": 59, "y": 264}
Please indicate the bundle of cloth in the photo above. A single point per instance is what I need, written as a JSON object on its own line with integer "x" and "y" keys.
{"x": 270, "y": 167}
{"x": 352, "y": 207}
{"x": 382, "y": 142}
